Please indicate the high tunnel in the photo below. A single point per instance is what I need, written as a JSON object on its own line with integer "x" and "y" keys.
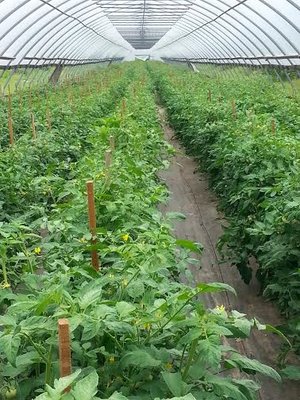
{"x": 42, "y": 33}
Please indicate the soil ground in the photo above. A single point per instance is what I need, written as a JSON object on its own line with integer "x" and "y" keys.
{"x": 190, "y": 195}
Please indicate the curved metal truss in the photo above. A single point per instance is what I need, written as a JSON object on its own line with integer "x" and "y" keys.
{"x": 46, "y": 33}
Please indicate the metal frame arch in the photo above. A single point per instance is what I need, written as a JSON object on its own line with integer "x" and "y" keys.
{"x": 246, "y": 27}
{"x": 76, "y": 55}
{"x": 215, "y": 20}
{"x": 57, "y": 32}
{"x": 57, "y": 16}
{"x": 227, "y": 39}
{"x": 43, "y": 27}
{"x": 231, "y": 33}
{"x": 39, "y": 38}
{"x": 248, "y": 38}
{"x": 42, "y": 47}
{"x": 227, "y": 30}
{"x": 73, "y": 27}
{"x": 199, "y": 11}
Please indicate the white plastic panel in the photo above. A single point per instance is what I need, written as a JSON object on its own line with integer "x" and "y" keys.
{"x": 255, "y": 32}
{"x": 57, "y": 29}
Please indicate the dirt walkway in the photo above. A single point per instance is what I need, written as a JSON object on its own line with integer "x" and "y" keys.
{"x": 191, "y": 196}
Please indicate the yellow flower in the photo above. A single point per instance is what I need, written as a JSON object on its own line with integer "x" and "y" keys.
{"x": 5, "y": 285}
{"x": 82, "y": 240}
{"x": 111, "y": 359}
{"x": 125, "y": 237}
{"x": 169, "y": 366}
{"x": 37, "y": 250}
{"x": 147, "y": 326}
{"x": 124, "y": 282}
{"x": 220, "y": 308}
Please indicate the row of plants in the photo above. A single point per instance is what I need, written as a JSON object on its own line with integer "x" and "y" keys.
{"x": 54, "y": 107}
{"x": 29, "y": 164}
{"x": 34, "y": 172}
{"x": 136, "y": 331}
{"x": 246, "y": 135}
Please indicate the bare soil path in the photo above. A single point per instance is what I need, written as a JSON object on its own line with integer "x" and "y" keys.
{"x": 190, "y": 195}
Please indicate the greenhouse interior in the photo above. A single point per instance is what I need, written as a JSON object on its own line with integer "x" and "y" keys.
{"x": 150, "y": 199}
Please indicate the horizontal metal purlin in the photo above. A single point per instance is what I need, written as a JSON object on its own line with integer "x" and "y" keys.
{"x": 7, "y": 58}
{"x": 36, "y": 66}
{"x": 280, "y": 57}
{"x": 61, "y": 59}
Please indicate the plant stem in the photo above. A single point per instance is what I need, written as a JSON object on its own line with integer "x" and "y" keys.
{"x": 182, "y": 356}
{"x": 173, "y": 316}
{"x": 36, "y": 348}
{"x": 48, "y": 367}
{"x": 190, "y": 358}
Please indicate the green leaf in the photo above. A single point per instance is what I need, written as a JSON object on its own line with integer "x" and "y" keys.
{"x": 243, "y": 327}
{"x": 86, "y": 388}
{"x": 291, "y": 372}
{"x": 214, "y": 287}
{"x": 91, "y": 295}
{"x": 187, "y": 397}
{"x": 272, "y": 329}
{"x": 117, "y": 396}
{"x": 9, "y": 345}
{"x": 189, "y": 245}
{"x": 139, "y": 358}
{"x": 8, "y": 320}
{"x": 123, "y": 308}
{"x": 225, "y": 388}
{"x": 247, "y": 364}
{"x": 192, "y": 334}
{"x": 175, "y": 383}
{"x": 61, "y": 384}
{"x": 175, "y": 215}
{"x": 209, "y": 351}
{"x": 91, "y": 329}
{"x": 136, "y": 289}
{"x": 247, "y": 387}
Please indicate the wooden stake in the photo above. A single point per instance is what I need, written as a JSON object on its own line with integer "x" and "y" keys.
{"x": 33, "y": 126}
{"x": 209, "y": 95}
{"x": 92, "y": 222}
{"x": 273, "y": 125}
{"x": 233, "y": 105}
{"x": 112, "y": 143}
{"x": 64, "y": 349}
{"x": 10, "y": 121}
{"x": 108, "y": 159}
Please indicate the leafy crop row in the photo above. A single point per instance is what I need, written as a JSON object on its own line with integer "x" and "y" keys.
{"x": 245, "y": 133}
{"x": 136, "y": 331}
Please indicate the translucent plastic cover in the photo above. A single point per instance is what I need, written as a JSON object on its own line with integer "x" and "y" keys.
{"x": 39, "y": 32}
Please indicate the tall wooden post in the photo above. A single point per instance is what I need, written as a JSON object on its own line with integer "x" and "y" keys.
{"x": 273, "y": 126}
{"x": 65, "y": 362}
{"x": 92, "y": 222}
{"x": 209, "y": 95}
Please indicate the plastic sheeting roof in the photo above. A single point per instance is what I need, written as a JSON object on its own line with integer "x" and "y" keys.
{"x": 38, "y": 32}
